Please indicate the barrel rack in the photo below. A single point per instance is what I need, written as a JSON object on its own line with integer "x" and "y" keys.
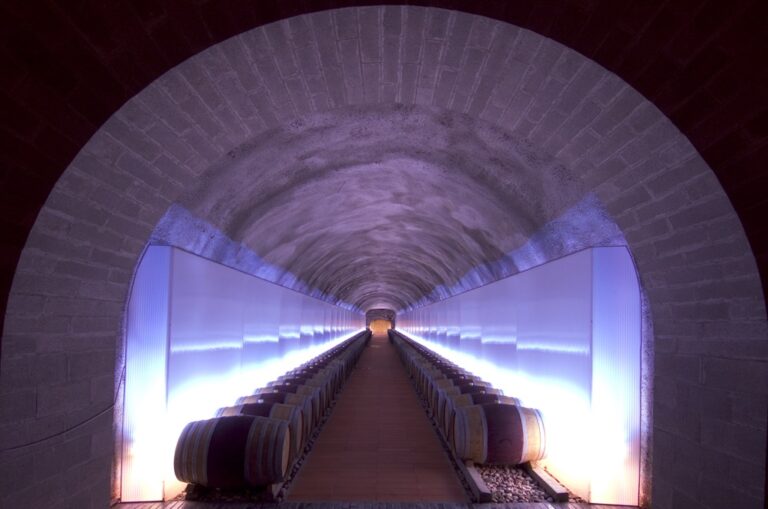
{"x": 348, "y": 351}
{"x": 467, "y": 471}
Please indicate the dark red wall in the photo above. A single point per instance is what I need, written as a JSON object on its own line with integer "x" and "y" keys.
{"x": 69, "y": 64}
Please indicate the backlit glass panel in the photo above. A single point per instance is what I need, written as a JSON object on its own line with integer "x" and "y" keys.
{"x": 199, "y": 336}
{"x": 563, "y": 337}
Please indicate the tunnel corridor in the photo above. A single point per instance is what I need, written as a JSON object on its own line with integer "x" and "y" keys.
{"x": 310, "y": 169}
{"x": 553, "y": 354}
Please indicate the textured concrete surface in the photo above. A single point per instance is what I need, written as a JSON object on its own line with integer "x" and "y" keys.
{"x": 208, "y": 119}
{"x": 379, "y": 205}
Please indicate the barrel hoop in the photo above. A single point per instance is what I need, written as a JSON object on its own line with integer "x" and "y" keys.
{"x": 523, "y": 428}
{"x": 305, "y": 403}
{"x": 274, "y": 447}
{"x": 285, "y": 448}
{"x": 485, "y": 435}
{"x": 289, "y": 413}
{"x": 196, "y": 455}
{"x": 277, "y": 447}
{"x": 254, "y": 434}
{"x": 180, "y": 456}
{"x": 542, "y": 435}
{"x": 460, "y": 434}
{"x": 476, "y": 443}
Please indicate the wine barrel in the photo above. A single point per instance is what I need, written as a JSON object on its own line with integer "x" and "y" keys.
{"x": 299, "y": 400}
{"x": 288, "y": 413}
{"x": 429, "y": 370}
{"x": 333, "y": 371}
{"x": 456, "y": 401}
{"x": 322, "y": 382}
{"x": 233, "y": 452}
{"x": 464, "y": 387}
{"x": 433, "y": 396}
{"x": 314, "y": 393}
{"x": 495, "y": 433}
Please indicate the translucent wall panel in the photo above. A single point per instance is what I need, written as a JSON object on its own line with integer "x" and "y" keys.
{"x": 199, "y": 336}
{"x": 146, "y": 360}
{"x": 616, "y": 376}
{"x": 564, "y": 338}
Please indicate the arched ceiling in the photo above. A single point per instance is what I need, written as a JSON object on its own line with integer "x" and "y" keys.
{"x": 70, "y": 69}
{"x": 379, "y": 205}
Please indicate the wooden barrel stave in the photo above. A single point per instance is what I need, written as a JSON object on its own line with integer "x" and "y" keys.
{"x": 233, "y": 452}
{"x": 496, "y": 433}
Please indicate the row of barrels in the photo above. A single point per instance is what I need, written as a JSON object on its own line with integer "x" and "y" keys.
{"x": 254, "y": 442}
{"x": 478, "y": 422}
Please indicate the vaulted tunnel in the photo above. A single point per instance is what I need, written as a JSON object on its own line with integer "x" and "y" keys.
{"x": 388, "y": 158}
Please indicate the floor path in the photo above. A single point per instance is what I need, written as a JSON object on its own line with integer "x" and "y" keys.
{"x": 378, "y": 444}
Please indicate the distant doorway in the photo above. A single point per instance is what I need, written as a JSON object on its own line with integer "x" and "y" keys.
{"x": 380, "y": 326}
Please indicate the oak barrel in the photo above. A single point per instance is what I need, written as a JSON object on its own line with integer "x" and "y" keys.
{"x": 299, "y": 400}
{"x": 315, "y": 393}
{"x": 288, "y": 413}
{"x": 496, "y": 433}
{"x": 456, "y": 401}
{"x": 320, "y": 381}
{"x": 461, "y": 387}
{"x": 233, "y": 452}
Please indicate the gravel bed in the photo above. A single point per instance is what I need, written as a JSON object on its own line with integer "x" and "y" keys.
{"x": 513, "y": 484}
{"x": 201, "y": 494}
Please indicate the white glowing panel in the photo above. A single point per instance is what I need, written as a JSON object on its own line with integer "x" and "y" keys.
{"x": 199, "y": 336}
{"x": 146, "y": 359}
{"x": 206, "y": 338}
{"x": 563, "y": 337}
{"x": 616, "y": 351}
{"x": 290, "y": 321}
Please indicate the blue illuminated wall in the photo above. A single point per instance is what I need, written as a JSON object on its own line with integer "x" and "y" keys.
{"x": 565, "y": 338}
{"x": 199, "y": 335}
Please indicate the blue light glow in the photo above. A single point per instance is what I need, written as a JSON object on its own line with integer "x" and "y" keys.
{"x": 585, "y": 224}
{"x": 180, "y": 227}
{"x": 199, "y": 336}
{"x": 564, "y": 338}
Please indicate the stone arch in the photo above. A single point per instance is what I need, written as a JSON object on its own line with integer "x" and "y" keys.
{"x": 67, "y": 301}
